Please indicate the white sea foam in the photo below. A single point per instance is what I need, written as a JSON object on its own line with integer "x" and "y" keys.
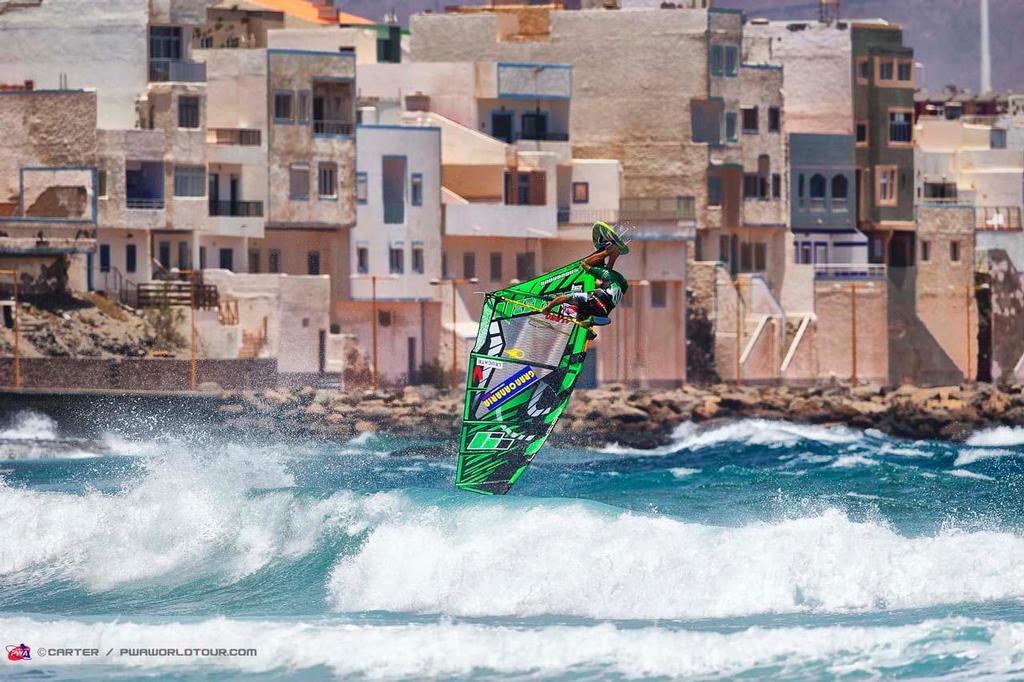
{"x": 683, "y": 472}
{"x": 770, "y": 433}
{"x": 971, "y": 455}
{"x": 186, "y": 516}
{"x": 585, "y": 560}
{"x": 680, "y": 434}
{"x": 1001, "y": 436}
{"x": 964, "y": 473}
{"x": 444, "y": 649}
{"x": 28, "y": 425}
{"x": 850, "y": 461}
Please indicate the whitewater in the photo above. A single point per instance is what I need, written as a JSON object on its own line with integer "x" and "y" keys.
{"x": 750, "y": 549}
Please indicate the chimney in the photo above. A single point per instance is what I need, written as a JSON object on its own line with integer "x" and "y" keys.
{"x": 986, "y": 54}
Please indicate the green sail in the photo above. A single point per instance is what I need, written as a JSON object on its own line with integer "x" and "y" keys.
{"x": 521, "y": 374}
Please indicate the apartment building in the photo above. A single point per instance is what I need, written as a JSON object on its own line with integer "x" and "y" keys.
{"x": 396, "y": 251}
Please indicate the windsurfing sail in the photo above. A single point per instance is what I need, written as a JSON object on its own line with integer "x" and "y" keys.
{"x": 522, "y": 371}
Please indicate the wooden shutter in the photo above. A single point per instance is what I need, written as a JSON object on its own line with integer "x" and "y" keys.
{"x": 538, "y": 188}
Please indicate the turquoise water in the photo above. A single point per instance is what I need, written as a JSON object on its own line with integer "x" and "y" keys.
{"x": 750, "y": 550}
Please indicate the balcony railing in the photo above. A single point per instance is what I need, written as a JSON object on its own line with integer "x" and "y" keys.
{"x": 997, "y": 218}
{"x": 849, "y": 271}
{"x": 657, "y": 208}
{"x": 145, "y": 203}
{"x": 576, "y": 216}
{"x": 237, "y": 209}
{"x": 545, "y": 137}
{"x": 247, "y": 137}
{"x": 177, "y": 70}
{"x": 331, "y": 127}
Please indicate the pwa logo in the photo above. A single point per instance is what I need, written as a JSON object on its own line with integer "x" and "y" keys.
{"x": 19, "y": 652}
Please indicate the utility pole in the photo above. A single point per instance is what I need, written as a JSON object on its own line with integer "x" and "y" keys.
{"x": 853, "y": 333}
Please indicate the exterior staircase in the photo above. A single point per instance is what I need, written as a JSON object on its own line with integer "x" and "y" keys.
{"x": 253, "y": 341}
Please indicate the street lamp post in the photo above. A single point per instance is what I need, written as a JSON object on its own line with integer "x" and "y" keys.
{"x": 455, "y": 356}
{"x": 373, "y": 323}
{"x": 192, "y": 323}
{"x": 13, "y": 274}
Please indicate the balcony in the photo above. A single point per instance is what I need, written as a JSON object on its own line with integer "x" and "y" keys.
{"x": 332, "y": 128}
{"x": 144, "y": 203}
{"x": 998, "y": 218}
{"x": 394, "y": 212}
{"x": 500, "y": 220}
{"x": 246, "y": 137}
{"x": 657, "y": 209}
{"x": 177, "y": 71}
{"x": 848, "y": 272}
{"x": 237, "y": 209}
{"x": 544, "y": 136}
{"x": 586, "y": 216}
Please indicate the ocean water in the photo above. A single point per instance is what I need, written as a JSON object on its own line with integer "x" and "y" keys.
{"x": 749, "y": 550}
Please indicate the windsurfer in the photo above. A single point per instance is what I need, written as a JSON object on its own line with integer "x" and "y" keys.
{"x": 593, "y": 307}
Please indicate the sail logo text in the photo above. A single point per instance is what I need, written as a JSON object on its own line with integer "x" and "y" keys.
{"x": 510, "y": 387}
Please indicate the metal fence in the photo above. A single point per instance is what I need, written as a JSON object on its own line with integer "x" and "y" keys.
{"x": 676, "y": 208}
{"x": 247, "y": 137}
{"x": 242, "y": 209}
{"x": 332, "y": 127}
{"x": 177, "y": 70}
{"x": 149, "y": 203}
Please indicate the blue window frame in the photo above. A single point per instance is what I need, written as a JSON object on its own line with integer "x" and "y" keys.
{"x": 284, "y": 106}
{"x": 416, "y": 189}
{"x": 361, "y": 187}
{"x": 130, "y": 258}
{"x": 732, "y": 55}
{"x": 305, "y": 100}
{"x": 104, "y": 257}
{"x": 730, "y": 127}
{"x": 715, "y": 58}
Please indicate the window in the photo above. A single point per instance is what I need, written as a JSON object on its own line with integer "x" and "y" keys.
{"x": 750, "y": 183}
{"x": 101, "y": 183}
{"x": 776, "y": 186}
{"x": 298, "y": 181}
{"x": 731, "y": 60}
{"x": 495, "y": 266}
{"x": 183, "y": 255}
{"x": 304, "y": 106}
{"x": 416, "y": 189}
{"x": 659, "y": 294}
{"x": 749, "y": 119}
{"x": 800, "y": 190}
{"x": 417, "y": 258}
{"x": 205, "y": 42}
{"x": 997, "y": 138}
{"x": 444, "y": 265}
{"x": 885, "y": 70}
{"x": 104, "y": 257}
{"x": 469, "y": 265}
{"x": 764, "y": 175}
{"x": 760, "y": 257}
{"x": 730, "y": 127}
{"x": 361, "y": 187}
{"x": 396, "y": 260}
{"x": 164, "y": 42}
{"x": 580, "y": 192}
{"x": 362, "y": 260}
{"x": 393, "y": 182}
{"x": 863, "y": 70}
{"x": 926, "y": 251}
{"x": 716, "y": 60}
{"x": 327, "y": 181}
{"x": 189, "y": 181}
{"x": 232, "y": 41}
{"x": 130, "y": 258}
{"x": 954, "y": 251}
{"x": 202, "y": 257}
{"x": 774, "y": 119}
{"x": 254, "y": 261}
{"x": 900, "y": 127}
{"x": 905, "y": 70}
{"x": 274, "y": 261}
{"x": 840, "y": 190}
{"x": 885, "y": 185}
{"x": 714, "y": 191}
{"x": 526, "y": 265}
{"x": 313, "y": 263}
{"x": 818, "y": 192}
{"x": 283, "y": 107}
{"x": 534, "y": 126}
{"x": 226, "y": 259}
{"x": 188, "y": 112}
{"x": 862, "y": 133}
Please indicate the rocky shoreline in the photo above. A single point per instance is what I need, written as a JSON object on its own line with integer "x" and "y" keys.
{"x": 634, "y": 418}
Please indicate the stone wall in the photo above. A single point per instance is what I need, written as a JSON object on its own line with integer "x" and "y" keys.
{"x": 834, "y": 330}
{"x": 135, "y": 374}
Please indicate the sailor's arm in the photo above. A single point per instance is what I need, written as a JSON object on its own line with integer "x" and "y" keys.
{"x": 557, "y": 300}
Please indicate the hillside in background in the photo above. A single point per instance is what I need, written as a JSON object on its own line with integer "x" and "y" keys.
{"x": 943, "y": 33}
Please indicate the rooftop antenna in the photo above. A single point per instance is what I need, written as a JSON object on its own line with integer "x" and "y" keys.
{"x": 986, "y": 56}
{"x": 828, "y": 11}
